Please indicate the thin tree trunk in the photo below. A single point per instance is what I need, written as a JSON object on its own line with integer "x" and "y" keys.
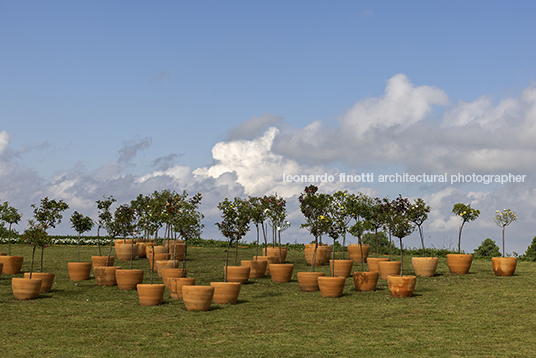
{"x": 78, "y": 247}
{"x": 31, "y": 266}
{"x": 460, "y": 237}
{"x": 401, "y": 257}
{"x": 9, "y": 241}
{"x": 503, "y": 239}
{"x": 422, "y": 241}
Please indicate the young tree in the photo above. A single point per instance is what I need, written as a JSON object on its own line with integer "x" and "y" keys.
{"x": 80, "y": 224}
{"x": 503, "y": 219}
{"x": 105, "y": 216}
{"x": 11, "y": 216}
{"x": 467, "y": 214}
{"x": 418, "y": 213}
{"x": 488, "y": 248}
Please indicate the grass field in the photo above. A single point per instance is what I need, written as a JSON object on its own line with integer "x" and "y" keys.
{"x": 474, "y": 315}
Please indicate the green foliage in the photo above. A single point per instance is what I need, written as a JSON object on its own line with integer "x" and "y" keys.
{"x": 488, "y": 248}
{"x": 503, "y": 219}
{"x": 10, "y": 215}
{"x": 315, "y": 207}
{"x": 49, "y": 212}
{"x": 530, "y": 254}
{"x": 383, "y": 241}
{"x": 81, "y": 224}
{"x": 466, "y": 213}
{"x": 418, "y": 213}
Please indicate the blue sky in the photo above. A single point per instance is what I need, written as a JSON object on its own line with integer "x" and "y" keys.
{"x": 123, "y": 97}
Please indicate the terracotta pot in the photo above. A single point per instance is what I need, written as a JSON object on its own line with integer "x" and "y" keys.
{"x": 176, "y": 284}
{"x": 225, "y": 292}
{"x": 118, "y": 242}
{"x": 157, "y": 257}
{"x": 373, "y": 263}
{"x": 125, "y": 251}
{"x": 142, "y": 249}
{"x": 504, "y": 266}
{"x": 128, "y": 279}
{"x": 177, "y": 250}
{"x": 281, "y": 273}
{"x": 3, "y": 253}
{"x": 12, "y": 264}
{"x": 150, "y": 295}
{"x": 237, "y": 274}
{"x": 331, "y": 286}
{"x": 101, "y": 261}
{"x": 365, "y": 281}
{"x": 79, "y": 271}
{"x": 163, "y": 264}
{"x": 424, "y": 266}
{"x": 269, "y": 259}
{"x": 105, "y": 275}
{"x": 274, "y": 251}
{"x": 47, "y": 279}
{"x": 308, "y": 281}
{"x": 257, "y": 268}
{"x": 401, "y": 286}
{"x": 169, "y": 273}
{"x": 343, "y": 268}
{"x": 327, "y": 253}
{"x": 354, "y": 251}
{"x": 156, "y": 249}
{"x": 197, "y": 298}
{"x": 459, "y": 264}
{"x": 389, "y": 268}
{"x": 320, "y": 256}
{"x": 25, "y": 288}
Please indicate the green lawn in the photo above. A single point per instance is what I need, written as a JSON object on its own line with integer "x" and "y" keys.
{"x": 474, "y": 315}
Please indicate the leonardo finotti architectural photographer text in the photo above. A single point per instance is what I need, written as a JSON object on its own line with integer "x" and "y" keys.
{"x": 406, "y": 178}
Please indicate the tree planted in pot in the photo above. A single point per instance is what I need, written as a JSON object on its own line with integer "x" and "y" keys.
{"x": 340, "y": 212}
{"x": 276, "y": 217}
{"x": 79, "y": 271}
{"x": 105, "y": 217}
{"x": 423, "y": 266}
{"x": 461, "y": 263}
{"x": 504, "y": 266}
{"x": 10, "y": 215}
{"x": 257, "y": 213}
{"x": 360, "y": 209}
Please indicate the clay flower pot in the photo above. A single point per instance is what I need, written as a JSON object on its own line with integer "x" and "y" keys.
{"x": 105, "y": 275}
{"x": 373, "y": 263}
{"x": 281, "y": 273}
{"x": 125, "y": 251}
{"x": 128, "y": 279}
{"x": 47, "y": 279}
{"x": 504, "y": 266}
{"x": 12, "y": 264}
{"x": 176, "y": 250}
{"x": 176, "y": 284}
{"x": 157, "y": 257}
{"x": 342, "y": 268}
{"x": 389, "y": 268}
{"x": 401, "y": 286}
{"x": 101, "y": 261}
{"x": 142, "y": 249}
{"x": 270, "y": 260}
{"x": 150, "y": 295}
{"x": 257, "y": 268}
{"x": 197, "y": 298}
{"x": 354, "y": 251}
{"x": 237, "y": 274}
{"x": 274, "y": 251}
{"x": 424, "y": 266}
{"x": 79, "y": 271}
{"x": 224, "y": 292}
{"x": 169, "y": 273}
{"x": 331, "y": 286}
{"x": 308, "y": 281}
{"x": 365, "y": 281}
{"x": 459, "y": 264}
{"x": 319, "y": 256}
{"x": 164, "y": 264}
{"x": 25, "y": 288}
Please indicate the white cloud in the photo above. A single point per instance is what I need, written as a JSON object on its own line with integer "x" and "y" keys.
{"x": 253, "y": 127}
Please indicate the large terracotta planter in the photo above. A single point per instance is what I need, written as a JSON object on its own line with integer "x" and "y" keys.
{"x": 125, "y": 251}
{"x": 105, "y": 275}
{"x": 150, "y": 295}
{"x": 101, "y": 261}
{"x": 176, "y": 250}
{"x": 308, "y": 281}
{"x": 354, "y": 251}
{"x": 157, "y": 257}
{"x": 342, "y": 268}
{"x": 25, "y": 288}
{"x": 504, "y": 266}
{"x": 365, "y": 281}
{"x": 257, "y": 268}
{"x": 373, "y": 263}
{"x": 79, "y": 271}
{"x": 389, "y": 268}
{"x": 128, "y": 279}
{"x": 47, "y": 280}
{"x": 197, "y": 298}
{"x": 270, "y": 260}
{"x": 12, "y": 264}
{"x": 274, "y": 251}
{"x": 281, "y": 273}
{"x": 401, "y": 286}
{"x": 156, "y": 249}
{"x": 331, "y": 286}
{"x": 237, "y": 274}
{"x": 169, "y": 273}
{"x": 224, "y": 292}
{"x": 459, "y": 264}
{"x": 176, "y": 284}
{"x": 424, "y": 266}
{"x": 164, "y": 264}
{"x": 142, "y": 249}
{"x": 319, "y": 257}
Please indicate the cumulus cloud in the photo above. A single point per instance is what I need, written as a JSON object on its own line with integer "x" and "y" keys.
{"x": 253, "y": 127}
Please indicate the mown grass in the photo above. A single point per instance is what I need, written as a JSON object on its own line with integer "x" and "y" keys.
{"x": 474, "y": 315}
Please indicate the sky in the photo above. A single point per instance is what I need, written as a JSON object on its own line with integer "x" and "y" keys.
{"x": 230, "y": 98}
